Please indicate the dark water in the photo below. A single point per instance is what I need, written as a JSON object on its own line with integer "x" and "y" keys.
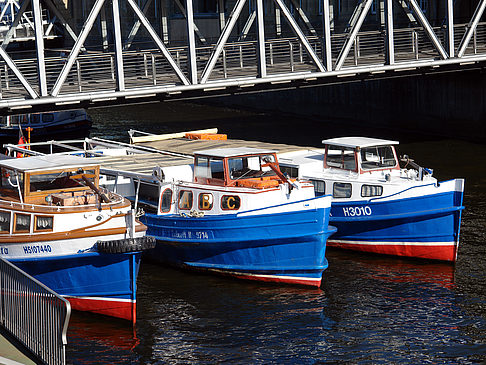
{"x": 369, "y": 309}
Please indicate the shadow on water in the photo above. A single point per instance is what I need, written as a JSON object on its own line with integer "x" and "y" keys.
{"x": 369, "y": 310}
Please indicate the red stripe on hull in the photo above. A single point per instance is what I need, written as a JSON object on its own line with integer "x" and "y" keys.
{"x": 282, "y": 280}
{"x": 435, "y": 252}
{"x": 118, "y": 309}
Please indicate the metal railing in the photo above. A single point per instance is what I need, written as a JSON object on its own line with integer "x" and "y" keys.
{"x": 95, "y": 71}
{"x": 34, "y": 314}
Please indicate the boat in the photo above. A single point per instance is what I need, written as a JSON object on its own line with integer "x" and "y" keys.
{"x": 45, "y": 126}
{"x": 60, "y": 227}
{"x": 377, "y": 205}
{"x": 239, "y": 216}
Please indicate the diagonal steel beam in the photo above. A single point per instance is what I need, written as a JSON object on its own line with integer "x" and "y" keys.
{"x": 61, "y": 18}
{"x": 16, "y": 71}
{"x": 471, "y": 28}
{"x": 196, "y": 29}
{"x": 223, "y": 38}
{"x": 136, "y": 27}
{"x": 88, "y": 24}
{"x": 247, "y": 26}
{"x": 365, "y": 7}
{"x": 427, "y": 27}
{"x": 298, "y": 32}
{"x": 15, "y": 23}
{"x": 304, "y": 17}
{"x": 158, "y": 41}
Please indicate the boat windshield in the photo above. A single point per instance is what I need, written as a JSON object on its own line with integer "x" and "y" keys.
{"x": 377, "y": 157}
{"x": 250, "y": 166}
{"x": 340, "y": 157}
{"x": 59, "y": 180}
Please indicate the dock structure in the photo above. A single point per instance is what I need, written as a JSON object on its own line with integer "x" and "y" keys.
{"x": 124, "y": 52}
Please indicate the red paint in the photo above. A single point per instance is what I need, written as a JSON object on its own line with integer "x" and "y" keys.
{"x": 436, "y": 252}
{"x": 118, "y": 309}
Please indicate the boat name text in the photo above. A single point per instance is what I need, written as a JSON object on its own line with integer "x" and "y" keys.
{"x": 356, "y": 211}
{"x": 37, "y": 249}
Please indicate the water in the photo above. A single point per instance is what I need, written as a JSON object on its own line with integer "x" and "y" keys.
{"x": 369, "y": 309}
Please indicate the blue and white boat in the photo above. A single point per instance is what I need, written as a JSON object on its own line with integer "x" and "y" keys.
{"x": 64, "y": 124}
{"x": 239, "y": 216}
{"x": 378, "y": 206}
{"x": 57, "y": 225}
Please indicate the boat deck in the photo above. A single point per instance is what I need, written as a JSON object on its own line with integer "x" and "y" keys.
{"x": 188, "y": 147}
{"x": 138, "y": 164}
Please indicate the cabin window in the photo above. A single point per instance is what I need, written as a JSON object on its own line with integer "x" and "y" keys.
{"x": 250, "y": 166}
{"x": 319, "y": 187}
{"x": 60, "y": 180}
{"x": 377, "y": 158}
{"x": 340, "y": 158}
{"x": 230, "y": 202}
{"x": 217, "y": 168}
{"x": 148, "y": 193}
{"x": 185, "y": 199}
{"x": 209, "y": 168}
{"x": 166, "y": 201}
{"x": 292, "y": 172}
{"x": 9, "y": 179}
{"x": 47, "y": 117}
{"x": 43, "y": 223}
{"x": 22, "y": 223}
{"x": 341, "y": 190}
{"x": 35, "y": 118}
{"x": 371, "y": 190}
{"x": 202, "y": 167}
{"x": 205, "y": 201}
{"x": 4, "y": 221}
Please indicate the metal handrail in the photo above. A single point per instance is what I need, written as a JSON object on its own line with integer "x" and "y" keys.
{"x": 34, "y": 314}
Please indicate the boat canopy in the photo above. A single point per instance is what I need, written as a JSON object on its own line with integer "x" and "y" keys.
{"x": 358, "y": 142}
{"x": 234, "y": 152}
{"x": 47, "y": 162}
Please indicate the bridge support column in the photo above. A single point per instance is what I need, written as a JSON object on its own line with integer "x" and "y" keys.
{"x": 390, "y": 44}
{"x": 39, "y": 42}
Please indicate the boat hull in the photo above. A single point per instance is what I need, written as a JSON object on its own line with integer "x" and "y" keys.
{"x": 284, "y": 247}
{"x": 425, "y": 227}
{"x": 91, "y": 281}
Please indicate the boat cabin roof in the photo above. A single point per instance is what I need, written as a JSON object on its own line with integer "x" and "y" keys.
{"x": 47, "y": 162}
{"x": 233, "y": 152}
{"x": 355, "y": 142}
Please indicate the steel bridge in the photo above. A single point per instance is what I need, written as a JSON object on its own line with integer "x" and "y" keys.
{"x": 104, "y": 66}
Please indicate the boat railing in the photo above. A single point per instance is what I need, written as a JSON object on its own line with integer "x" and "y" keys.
{"x": 33, "y": 314}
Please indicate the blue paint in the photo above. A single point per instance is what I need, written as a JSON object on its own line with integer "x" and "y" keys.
{"x": 90, "y": 274}
{"x": 430, "y": 218}
{"x": 289, "y": 244}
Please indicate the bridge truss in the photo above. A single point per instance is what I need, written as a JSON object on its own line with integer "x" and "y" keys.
{"x": 95, "y": 71}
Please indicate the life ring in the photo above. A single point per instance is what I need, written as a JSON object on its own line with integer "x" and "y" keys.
{"x": 126, "y": 245}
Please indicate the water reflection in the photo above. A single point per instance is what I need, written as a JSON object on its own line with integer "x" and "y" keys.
{"x": 369, "y": 310}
